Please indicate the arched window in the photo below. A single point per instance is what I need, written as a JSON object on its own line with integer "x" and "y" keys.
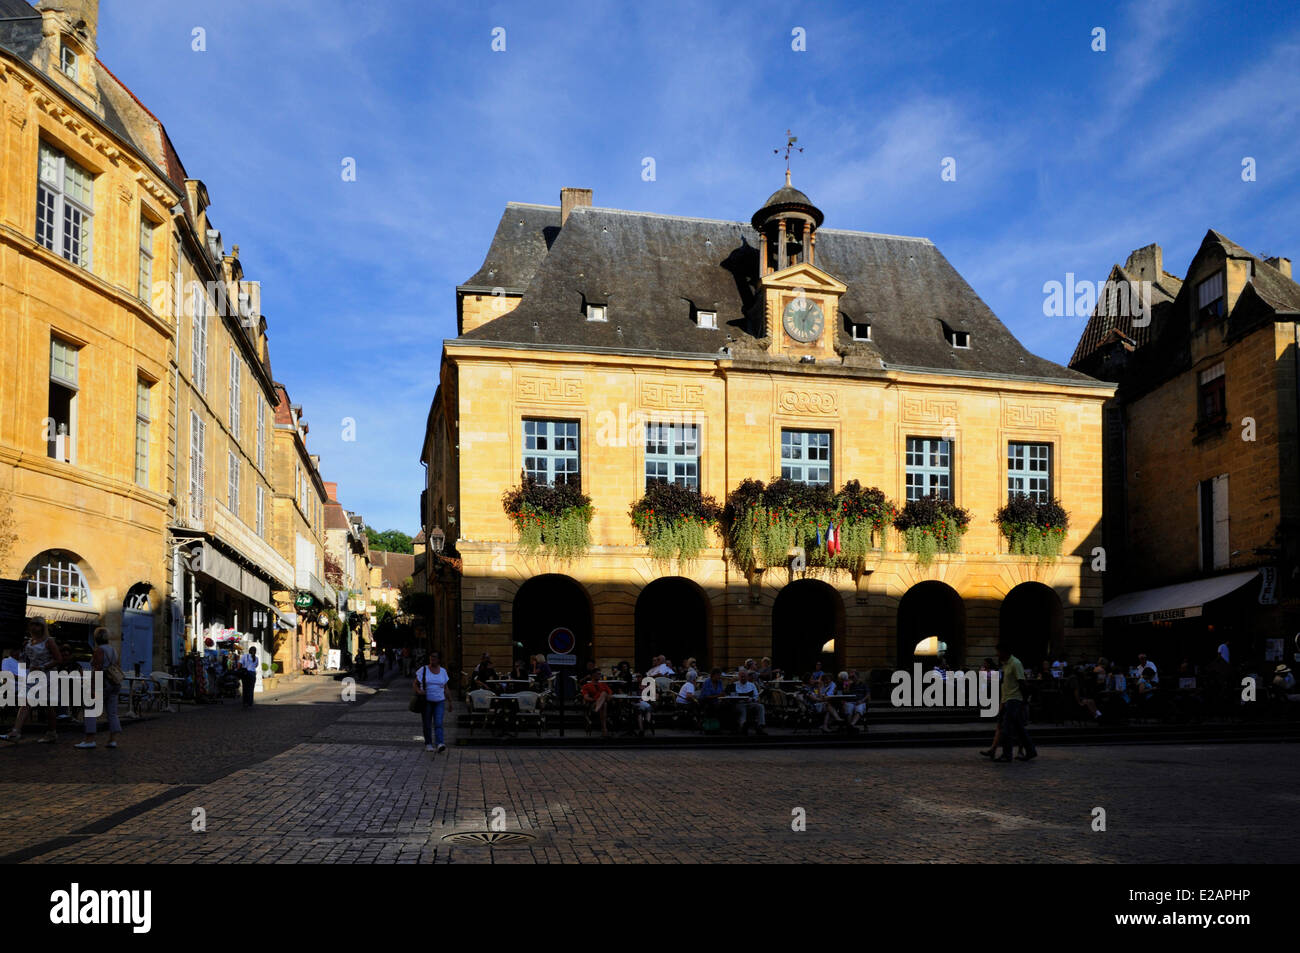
{"x": 56, "y": 577}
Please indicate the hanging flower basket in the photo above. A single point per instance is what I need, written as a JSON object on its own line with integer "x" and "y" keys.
{"x": 764, "y": 525}
{"x": 675, "y": 522}
{"x": 1033, "y": 527}
{"x": 550, "y": 520}
{"x": 932, "y": 525}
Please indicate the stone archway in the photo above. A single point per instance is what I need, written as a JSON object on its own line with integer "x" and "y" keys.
{"x": 673, "y": 618}
{"x": 931, "y": 608}
{"x": 807, "y": 618}
{"x": 545, "y": 603}
{"x": 1031, "y": 623}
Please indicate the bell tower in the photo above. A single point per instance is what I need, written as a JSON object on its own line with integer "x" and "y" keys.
{"x": 801, "y": 302}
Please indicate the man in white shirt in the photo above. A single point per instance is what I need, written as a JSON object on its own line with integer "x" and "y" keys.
{"x": 661, "y": 668}
{"x": 687, "y": 692}
{"x": 248, "y": 674}
{"x": 749, "y": 703}
{"x": 1143, "y": 665}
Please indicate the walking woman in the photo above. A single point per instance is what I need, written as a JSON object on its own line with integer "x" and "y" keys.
{"x": 106, "y": 660}
{"x": 431, "y": 680}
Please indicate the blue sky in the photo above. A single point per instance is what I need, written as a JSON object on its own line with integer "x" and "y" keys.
{"x": 1067, "y": 159}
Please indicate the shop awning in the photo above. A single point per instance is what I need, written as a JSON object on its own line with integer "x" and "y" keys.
{"x": 1182, "y": 601}
{"x": 39, "y": 611}
{"x": 223, "y": 569}
{"x": 286, "y": 620}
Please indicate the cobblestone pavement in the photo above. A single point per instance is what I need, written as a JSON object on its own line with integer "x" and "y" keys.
{"x": 318, "y": 781}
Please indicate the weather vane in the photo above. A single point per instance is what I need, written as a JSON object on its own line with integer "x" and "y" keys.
{"x": 790, "y": 141}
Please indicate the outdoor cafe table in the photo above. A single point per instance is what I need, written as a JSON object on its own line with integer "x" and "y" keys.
{"x": 168, "y": 683}
{"x": 132, "y": 695}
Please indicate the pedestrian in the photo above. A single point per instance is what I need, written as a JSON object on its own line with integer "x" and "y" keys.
{"x": 1014, "y": 714}
{"x": 41, "y": 653}
{"x": 107, "y": 661}
{"x": 248, "y": 674}
{"x": 431, "y": 680}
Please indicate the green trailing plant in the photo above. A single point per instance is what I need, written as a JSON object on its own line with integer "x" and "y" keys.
{"x": 763, "y": 523}
{"x": 932, "y": 525}
{"x": 1033, "y": 527}
{"x": 551, "y": 520}
{"x": 675, "y": 521}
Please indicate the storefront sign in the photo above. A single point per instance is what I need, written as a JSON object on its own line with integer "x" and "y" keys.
{"x": 304, "y": 600}
{"x": 1165, "y": 615}
{"x": 1268, "y": 586}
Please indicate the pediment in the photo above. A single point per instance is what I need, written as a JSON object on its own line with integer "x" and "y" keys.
{"x": 805, "y": 276}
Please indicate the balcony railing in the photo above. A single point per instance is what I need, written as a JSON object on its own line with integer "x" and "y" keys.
{"x": 210, "y": 516}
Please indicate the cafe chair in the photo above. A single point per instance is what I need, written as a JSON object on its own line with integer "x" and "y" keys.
{"x": 530, "y": 710}
{"x": 480, "y": 708}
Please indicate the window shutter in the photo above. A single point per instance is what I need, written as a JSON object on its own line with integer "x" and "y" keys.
{"x": 1221, "y": 549}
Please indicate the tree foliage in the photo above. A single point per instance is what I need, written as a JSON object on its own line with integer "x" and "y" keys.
{"x": 390, "y": 540}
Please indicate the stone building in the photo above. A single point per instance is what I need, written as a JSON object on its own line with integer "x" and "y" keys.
{"x": 613, "y": 348}
{"x": 1202, "y": 480}
{"x": 89, "y": 179}
{"x": 298, "y": 526}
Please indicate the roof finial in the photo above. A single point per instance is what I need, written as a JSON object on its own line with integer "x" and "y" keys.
{"x": 790, "y": 146}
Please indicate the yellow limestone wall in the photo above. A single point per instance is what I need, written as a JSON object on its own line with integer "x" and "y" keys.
{"x": 92, "y": 508}
{"x": 741, "y": 411}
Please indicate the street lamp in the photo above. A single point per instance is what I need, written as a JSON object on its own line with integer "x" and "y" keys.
{"x": 436, "y": 539}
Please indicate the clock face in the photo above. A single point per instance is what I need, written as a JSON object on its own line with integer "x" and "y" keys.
{"x": 803, "y": 320}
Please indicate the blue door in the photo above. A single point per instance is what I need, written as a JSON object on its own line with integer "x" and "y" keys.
{"x": 137, "y": 641}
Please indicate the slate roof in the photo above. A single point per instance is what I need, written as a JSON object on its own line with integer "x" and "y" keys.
{"x": 522, "y": 239}
{"x": 652, "y": 270}
{"x": 1163, "y": 351}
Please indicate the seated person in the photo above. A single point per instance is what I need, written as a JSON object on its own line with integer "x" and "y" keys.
{"x": 623, "y": 673}
{"x": 1081, "y": 686}
{"x": 689, "y": 669}
{"x": 519, "y": 673}
{"x": 1117, "y": 683}
{"x": 856, "y": 710}
{"x": 660, "y": 668}
{"x": 712, "y": 689}
{"x": 749, "y": 706}
{"x": 686, "y": 694}
{"x": 541, "y": 672}
{"x": 484, "y": 673}
{"x": 829, "y": 710}
{"x": 1146, "y": 685}
{"x": 596, "y": 693}
{"x": 1285, "y": 684}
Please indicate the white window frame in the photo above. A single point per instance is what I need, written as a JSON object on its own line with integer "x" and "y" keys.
{"x": 1029, "y": 462}
{"x": 236, "y": 392}
{"x": 261, "y": 434}
{"x": 60, "y": 580}
{"x": 802, "y": 456}
{"x": 924, "y": 473}
{"x": 143, "y": 417}
{"x": 259, "y": 517}
{"x": 856, "y": 326}
{"x": 68, "y": 60}
{"x": 145, "y": 276}
{"x": 60, "y": 377}
{"x": 232, "y": 482}
{"x": 556, "y": 450}
{"x": 672, "y": 452}
{"x": 597, "y": 312}
{"x": 198, "y": 454}
{"x": 1222, "y": 552}
{"x": 199, "y": 340}
{"x": 64, "y": 221}
{"x": 707, "y": 319}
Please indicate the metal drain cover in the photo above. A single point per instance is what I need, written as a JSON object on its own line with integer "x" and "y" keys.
{"x": 489, "y": 838}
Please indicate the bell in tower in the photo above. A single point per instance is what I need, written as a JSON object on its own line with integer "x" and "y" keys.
{"x": 787, "y": 228}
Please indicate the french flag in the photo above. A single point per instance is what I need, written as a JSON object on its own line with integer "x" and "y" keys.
{"x": 832, "y": 540}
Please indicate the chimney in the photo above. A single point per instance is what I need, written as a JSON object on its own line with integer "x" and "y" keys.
{"x": 1281, "y": 264}
{"x": 1146, "y": 264}
{"x": 82, "y": 18}
{"x": 331, "y": 492}
{"x": 571, "y": 199}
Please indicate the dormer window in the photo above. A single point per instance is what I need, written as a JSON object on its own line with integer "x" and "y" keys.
{"x": 68, "y": 61}
{"x": 955, "y": 337}
{"x": 707, "y": 319}
{"x": 596, "y": 312}
{"x": 860, "y": 330}
{"x": 1210, "y": 303}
